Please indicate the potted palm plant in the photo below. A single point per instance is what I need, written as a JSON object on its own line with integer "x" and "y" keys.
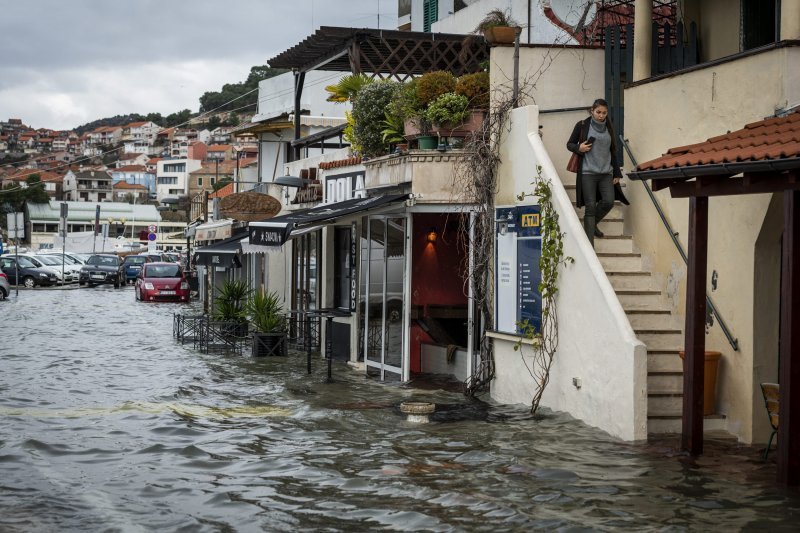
{"x": 229, "y": 307}
{"x": 498, "y": 27}
{"x": 265, "y": 312}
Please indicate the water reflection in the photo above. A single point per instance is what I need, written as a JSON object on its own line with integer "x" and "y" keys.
{"x": 110, "y": 425}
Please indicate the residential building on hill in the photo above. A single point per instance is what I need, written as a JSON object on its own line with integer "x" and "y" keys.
{"x": 88, "y": 186}
{"x": 135, "y": 175}
{"x": 172, "y": 178}
{"x": 131, "y": 193}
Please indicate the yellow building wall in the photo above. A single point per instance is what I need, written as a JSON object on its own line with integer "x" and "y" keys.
{"x": 690, "y": 108}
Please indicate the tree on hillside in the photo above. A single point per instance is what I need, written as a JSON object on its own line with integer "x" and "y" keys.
{"x": 15, "y": 197}
{"x": 233, "y": 120}
{"x": 180, "y": 117}
{"x": 214, "y": 123}
{"x": 223, "y": 99}
{"x": 155, "y": 117}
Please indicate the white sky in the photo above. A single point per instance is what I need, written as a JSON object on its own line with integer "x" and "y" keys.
{"x": 67, "y": 62}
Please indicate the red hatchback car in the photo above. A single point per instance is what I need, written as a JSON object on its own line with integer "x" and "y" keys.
{"x": 162, "y": 282}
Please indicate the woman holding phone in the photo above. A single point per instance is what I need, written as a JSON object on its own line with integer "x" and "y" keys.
{"x": 599, "y": 174}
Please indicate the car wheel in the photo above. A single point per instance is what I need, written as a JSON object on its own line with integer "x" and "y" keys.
{"x": 28, "y": 282}
{"x": 3, "y": 294}
{"x": 81, "y": 283}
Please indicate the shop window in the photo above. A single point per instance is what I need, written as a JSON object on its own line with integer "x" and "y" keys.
{"x": 342, "y": 263}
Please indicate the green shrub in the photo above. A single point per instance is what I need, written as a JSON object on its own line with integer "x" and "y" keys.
{"x": 369, "y": 108}
{"x": 265, "y": 312}
{"x": 229, "y": 305}
{"x": 476, "y": 88}
{"x": 496, "y": 17}
{"x": 449, "y": 108}
{"x": 432, "y": 85}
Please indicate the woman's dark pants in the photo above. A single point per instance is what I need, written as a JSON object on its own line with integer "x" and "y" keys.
{"x": 596, "y": 210}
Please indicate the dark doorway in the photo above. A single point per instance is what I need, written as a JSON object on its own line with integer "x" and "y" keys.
{"x": 759, "y": 23}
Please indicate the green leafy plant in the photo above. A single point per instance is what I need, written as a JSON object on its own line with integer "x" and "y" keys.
{"x": 449, "y": 108}
{"x": 432, "y": 85}
{"x": 347, "y": 87}
{"x": 394, "y": 129}
{"x": 265, "y": 312}
{"x": 229, "y": 305}
{"x": 545, "y": 341}
{"x": 496, "y": 17}
{"x": 476, "y": 88}
{"x": 369, "y": 108}
{"x": 348, "y": 134}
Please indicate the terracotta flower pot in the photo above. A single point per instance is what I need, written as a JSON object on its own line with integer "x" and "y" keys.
{"x": 709, "y": 380}
{"x": 500, "y": 34}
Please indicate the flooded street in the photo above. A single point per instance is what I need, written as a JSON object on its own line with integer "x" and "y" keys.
{"x": 108, "y": 424}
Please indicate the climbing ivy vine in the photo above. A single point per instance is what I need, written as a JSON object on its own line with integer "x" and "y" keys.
{"x": 545, "y": 341}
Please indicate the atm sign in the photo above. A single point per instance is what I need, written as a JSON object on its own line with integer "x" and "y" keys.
{"x": 530, "y": 220}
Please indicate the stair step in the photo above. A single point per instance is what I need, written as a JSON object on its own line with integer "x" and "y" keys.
{"x": 609, "y": 226}
{"x": 663, "y": 403}
{"x": 614, "y": 244}
{"x": 620, "y": 262}
{"x": 638, "y": 297}
{"x": 664, "y": 381}
{"x": 660, "y": 339}
{"x": 664, "y": 362}
{"x": 649, "y": 318}
{"x": 629, "y": 280}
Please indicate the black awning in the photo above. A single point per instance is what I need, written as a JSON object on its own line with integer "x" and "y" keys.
{"x": 276, "y": 231}
{"x": 223, "y": 253}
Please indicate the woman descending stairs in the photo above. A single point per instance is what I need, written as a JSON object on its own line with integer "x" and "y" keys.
{"x": 649, "y": 315}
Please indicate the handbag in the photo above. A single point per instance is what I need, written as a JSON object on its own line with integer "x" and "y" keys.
{"x": 574, "y": 163}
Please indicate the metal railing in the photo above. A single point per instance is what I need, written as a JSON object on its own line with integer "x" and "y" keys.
{"x": 674, "y": 236}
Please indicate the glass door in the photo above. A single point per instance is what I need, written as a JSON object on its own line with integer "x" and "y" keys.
{"x": 383, "y": 272}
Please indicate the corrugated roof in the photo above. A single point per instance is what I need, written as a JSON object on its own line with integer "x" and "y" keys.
{"x": 769, "y": 139}
{"x": 84, "y": 211}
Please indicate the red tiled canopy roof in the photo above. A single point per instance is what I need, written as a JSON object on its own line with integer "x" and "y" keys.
{"x": 771, "y": 139}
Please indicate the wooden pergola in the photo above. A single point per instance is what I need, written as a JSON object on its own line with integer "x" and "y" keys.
{"x": 379, "y": 53}
{"x": 763, "y": 157}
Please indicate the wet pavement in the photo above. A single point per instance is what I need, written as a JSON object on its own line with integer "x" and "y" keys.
{"x": 109, "y": 425}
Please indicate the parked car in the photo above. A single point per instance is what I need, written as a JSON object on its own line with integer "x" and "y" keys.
{"x": 132, "y": 265}
{"x": 5, "y": 286}
{"x": 29, "y": 274}
{"x": 100, "y": 269}
{"x": 73, "y": 258}
{"x": 172, "y": 257}
{"x": 67, "y": 271}
{"x": 162, "y": 282}
{"x": 155, "y": 256}
{"x": 42, "y": 264}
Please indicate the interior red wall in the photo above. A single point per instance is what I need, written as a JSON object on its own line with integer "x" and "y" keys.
{"x": 436, "y": 271}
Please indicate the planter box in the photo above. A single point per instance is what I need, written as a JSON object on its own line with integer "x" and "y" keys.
{"x": 269, "y": 344}
{"x": 472, "y": 124}
{"x": 500, "y": 35}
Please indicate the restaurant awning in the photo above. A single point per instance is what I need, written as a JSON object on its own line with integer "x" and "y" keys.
{"x": 216, "y": 229}
{"x": 276, "y": 231}
{"x": 222, "y": 254}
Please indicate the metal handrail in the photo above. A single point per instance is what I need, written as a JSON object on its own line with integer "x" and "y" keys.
{"x": 674, "y": 236}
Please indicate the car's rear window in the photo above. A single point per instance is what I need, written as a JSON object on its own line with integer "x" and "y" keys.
{"x": 103, "y": 260}
{"x": 135, "y": 260}
{"x": 162, "y": 271}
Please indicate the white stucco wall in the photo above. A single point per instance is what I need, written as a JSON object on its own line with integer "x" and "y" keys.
{"x": 276, "y": 95}
{"x": 536, "y": 27}
{"x": 689, "y": 108}
{"x": 596, "y": 342}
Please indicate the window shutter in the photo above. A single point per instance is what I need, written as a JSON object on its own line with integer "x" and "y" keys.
{"x": 430, "y": 13}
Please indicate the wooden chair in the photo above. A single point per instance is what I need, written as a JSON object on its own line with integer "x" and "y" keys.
{"x": 770, "y": 392}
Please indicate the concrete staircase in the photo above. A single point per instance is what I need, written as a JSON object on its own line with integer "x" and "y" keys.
{"x": 650, "y": 317}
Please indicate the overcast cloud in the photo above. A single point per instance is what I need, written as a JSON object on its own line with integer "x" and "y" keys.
{"x": 67, "y": 62}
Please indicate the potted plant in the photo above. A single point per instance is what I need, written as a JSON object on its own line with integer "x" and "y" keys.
{"x": 229, "y": 307}
{"x": 394, "y": 131}
{"x": 265, "y": 313}
{"x": 498, "y": 27}
{"x": 369, "y": 107}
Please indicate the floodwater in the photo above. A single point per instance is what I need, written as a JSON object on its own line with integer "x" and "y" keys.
{"x": 107, "y": 424}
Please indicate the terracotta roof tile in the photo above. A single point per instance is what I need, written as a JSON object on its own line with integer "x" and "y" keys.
{"x": 355, "y": 160}
{"x": 772, "y": 138}
{"x": 223, "y": 192}
{"x": 126, "y": 185}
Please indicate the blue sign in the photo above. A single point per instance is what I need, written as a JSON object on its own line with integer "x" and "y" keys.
{"x": 151, "y": 236}
{"x": 517, "y": 275}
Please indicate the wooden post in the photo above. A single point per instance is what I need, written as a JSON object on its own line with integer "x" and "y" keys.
{"x": 789, "y": 424}
{"x": 695, "y": 340}
{"x": 299, "y": 80}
